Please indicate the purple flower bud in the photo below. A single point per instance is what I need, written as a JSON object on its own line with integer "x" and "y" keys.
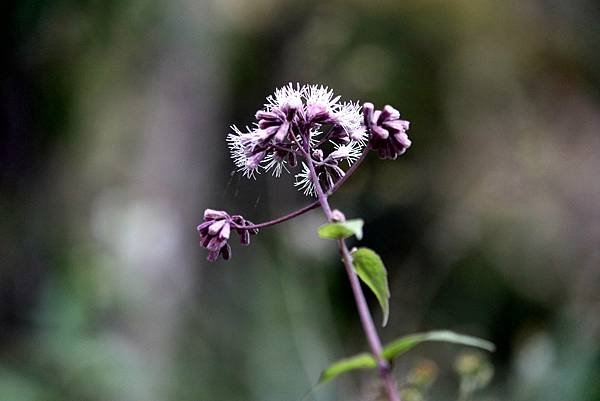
{"x": 216, "y": 230}
{"x": 336, "y": 215}
{"x": 388, "y": 132}
{"x": 273, "y": 125}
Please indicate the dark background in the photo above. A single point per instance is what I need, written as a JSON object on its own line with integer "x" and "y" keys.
{"x": 113, "y": 118}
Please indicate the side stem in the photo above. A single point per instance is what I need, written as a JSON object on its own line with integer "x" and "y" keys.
{"x": 359, "y": 297}
{"x": 313, "y": 205}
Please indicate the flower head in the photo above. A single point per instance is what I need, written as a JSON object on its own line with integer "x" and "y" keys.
{"x": 287, "y": 100}
{"x": 388, "y": 131}
{"x": 321, "y": 104}
{"x": 246, "y": 151}
{"x": 294, "y": 120}
{"x": 350, "y": 152}
{"x": 328, "y": 175}
{"x": 349, "y": 123}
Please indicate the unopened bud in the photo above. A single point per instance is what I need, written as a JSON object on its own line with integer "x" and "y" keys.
{"x": 338, "y": 216}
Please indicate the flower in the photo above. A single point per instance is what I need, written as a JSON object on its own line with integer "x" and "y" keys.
{"x": 292, "y": 115}
{"x": 276, "y": 161}
{"x": 214, "y": 234}
{"x": 216, "y": 230}
{"x": 244, "y": 151}
{"x": 349, "y": 121}
{"x": 388, "y": 131}
{"x": 349, "y": 151}
{"x": 328, "y": 175}
{"x": 286, "y": 98}
{"x": 320, "y": 104}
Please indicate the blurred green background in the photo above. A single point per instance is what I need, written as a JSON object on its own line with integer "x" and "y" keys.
{"x": 114, "y": 115}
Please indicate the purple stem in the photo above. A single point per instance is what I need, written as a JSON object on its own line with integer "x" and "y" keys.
{"x": 281, "y": 219}
{"x": 311, "y": 206}
{"x": 363, "y": 310}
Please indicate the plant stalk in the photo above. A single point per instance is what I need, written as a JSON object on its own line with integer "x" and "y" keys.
{"x": 359, "y": 297}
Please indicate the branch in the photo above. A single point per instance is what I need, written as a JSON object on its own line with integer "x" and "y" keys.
{"x": 311, "y": 206}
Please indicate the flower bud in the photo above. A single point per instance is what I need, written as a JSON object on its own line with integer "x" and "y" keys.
{"x": 388, "y": 132}
{"x": 216, "y": 230}
{"x": 338, "y": 216}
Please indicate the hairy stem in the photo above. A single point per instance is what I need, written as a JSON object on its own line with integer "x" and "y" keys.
{"x": 359, "y": 297}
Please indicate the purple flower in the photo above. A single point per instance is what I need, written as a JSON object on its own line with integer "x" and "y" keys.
{"x": 328, "y": 175}
{"x": 388, "y": 131}
{"x": 294, "y": 118}
{"x": 320, "y": 104}
{"x": 275, "y": 124}
{"x": 216, "y": 230}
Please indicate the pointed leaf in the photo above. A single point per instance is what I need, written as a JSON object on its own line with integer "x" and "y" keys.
{"x": 399, "y": 347}
{"x": 370, "y": 269}
{"x": 360, "y": 361}
{"x": 342, "y": 230}
{"x": 403, "y": 344}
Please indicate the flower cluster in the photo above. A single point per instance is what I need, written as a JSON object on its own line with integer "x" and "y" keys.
{"x": 216, "y": 229}
{"x": 294, "y": 121}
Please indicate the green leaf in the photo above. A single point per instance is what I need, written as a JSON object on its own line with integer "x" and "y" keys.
{"x": 370, "y": 269}
{"x": 403, "y": 344}
{"x": 342, "y": 230}
{"x": 360, "y": 361}
{"x": 399, "y": 347}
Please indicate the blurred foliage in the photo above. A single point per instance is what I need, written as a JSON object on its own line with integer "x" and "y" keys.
{"x": 113, "y": 118}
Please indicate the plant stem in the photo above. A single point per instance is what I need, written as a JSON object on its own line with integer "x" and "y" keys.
{"x": 281, "y": 219}
{"x": 313, "y": 205}
{"x": 359, "y": 297}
